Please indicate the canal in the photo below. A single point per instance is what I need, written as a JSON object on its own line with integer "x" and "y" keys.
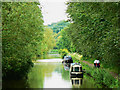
{"x": 50, "y": 73}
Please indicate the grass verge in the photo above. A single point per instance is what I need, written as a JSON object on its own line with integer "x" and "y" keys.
{"x": 101, "y": 76}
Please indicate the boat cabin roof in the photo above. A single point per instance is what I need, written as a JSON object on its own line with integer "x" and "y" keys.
{"x": 68, "y": 57}
{"x": 76, "y": 65}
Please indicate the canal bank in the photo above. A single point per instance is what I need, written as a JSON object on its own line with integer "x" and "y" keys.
{"x": 100, "y": 75}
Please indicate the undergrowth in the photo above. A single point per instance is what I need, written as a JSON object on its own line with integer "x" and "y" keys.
{"x": 100, "y": 75}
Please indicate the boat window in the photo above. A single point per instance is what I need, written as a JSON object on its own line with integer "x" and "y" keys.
{"x": 76, "y": 81}
{"x": 81, "y": 69}
{"x": 72, "y": 69}
{"x": 76, "y": 69}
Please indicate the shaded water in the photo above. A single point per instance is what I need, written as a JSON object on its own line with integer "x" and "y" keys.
{"x": 50, "y": 73}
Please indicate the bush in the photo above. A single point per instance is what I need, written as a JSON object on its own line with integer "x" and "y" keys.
{"x": 76, "y": 56}
{"x": 63, "y": 52}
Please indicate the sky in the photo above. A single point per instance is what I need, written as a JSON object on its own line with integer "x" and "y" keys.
{"x": 53, "y": 11}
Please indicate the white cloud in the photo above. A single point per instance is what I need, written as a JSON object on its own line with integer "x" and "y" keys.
{"x": 53, "y": 11}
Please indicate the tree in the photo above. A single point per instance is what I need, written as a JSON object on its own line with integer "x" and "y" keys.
{"x": 22, "y": 30}
{"x": 48, "y": 41}
{"x": 57, "y": 27}
{"x": 94, "y": 30}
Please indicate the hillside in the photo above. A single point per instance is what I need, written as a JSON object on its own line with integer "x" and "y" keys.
{"x": 57, "y": 27}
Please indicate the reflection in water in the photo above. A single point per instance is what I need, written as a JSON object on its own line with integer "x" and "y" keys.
{"x": 48, "y": 74}
{"x": 66, "y": 66}
{"x": 50, "y": 60}
{"x": 39, "y": 72}
{"x": 56, "y": 81}
{"x": 14, "y": 83}
{"x": 76, "y": 82}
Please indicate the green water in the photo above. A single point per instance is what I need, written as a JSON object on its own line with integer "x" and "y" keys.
{"x": 49, "y": 73}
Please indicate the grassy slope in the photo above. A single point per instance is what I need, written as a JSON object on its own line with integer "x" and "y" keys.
{"x": 102, "y": 76}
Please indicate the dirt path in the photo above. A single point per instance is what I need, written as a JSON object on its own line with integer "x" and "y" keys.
{"x": 115, "y": 75}
{"x": 91, "y": 65}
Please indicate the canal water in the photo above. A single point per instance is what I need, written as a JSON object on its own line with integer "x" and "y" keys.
{"x": 50, "y": 73}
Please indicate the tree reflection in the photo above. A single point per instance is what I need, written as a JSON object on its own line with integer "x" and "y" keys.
{"x": 37, "y": 74}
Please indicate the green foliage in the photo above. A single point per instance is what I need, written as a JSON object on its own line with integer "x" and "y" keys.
{"x": 94, "y": 31}
{"x": 48, "y": 41}
{"x": 57, "y": 27}
{"x": 63, "y": 52}
{"x": 100, "y": 75}
{"x": 53, "y": 51}
{"x": 76, "y": 56}
{"x": 22, "y": 34}
{"x": 63, "y": 41}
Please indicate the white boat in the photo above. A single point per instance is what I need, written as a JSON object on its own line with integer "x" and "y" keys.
{"x": 76, "y": 70}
